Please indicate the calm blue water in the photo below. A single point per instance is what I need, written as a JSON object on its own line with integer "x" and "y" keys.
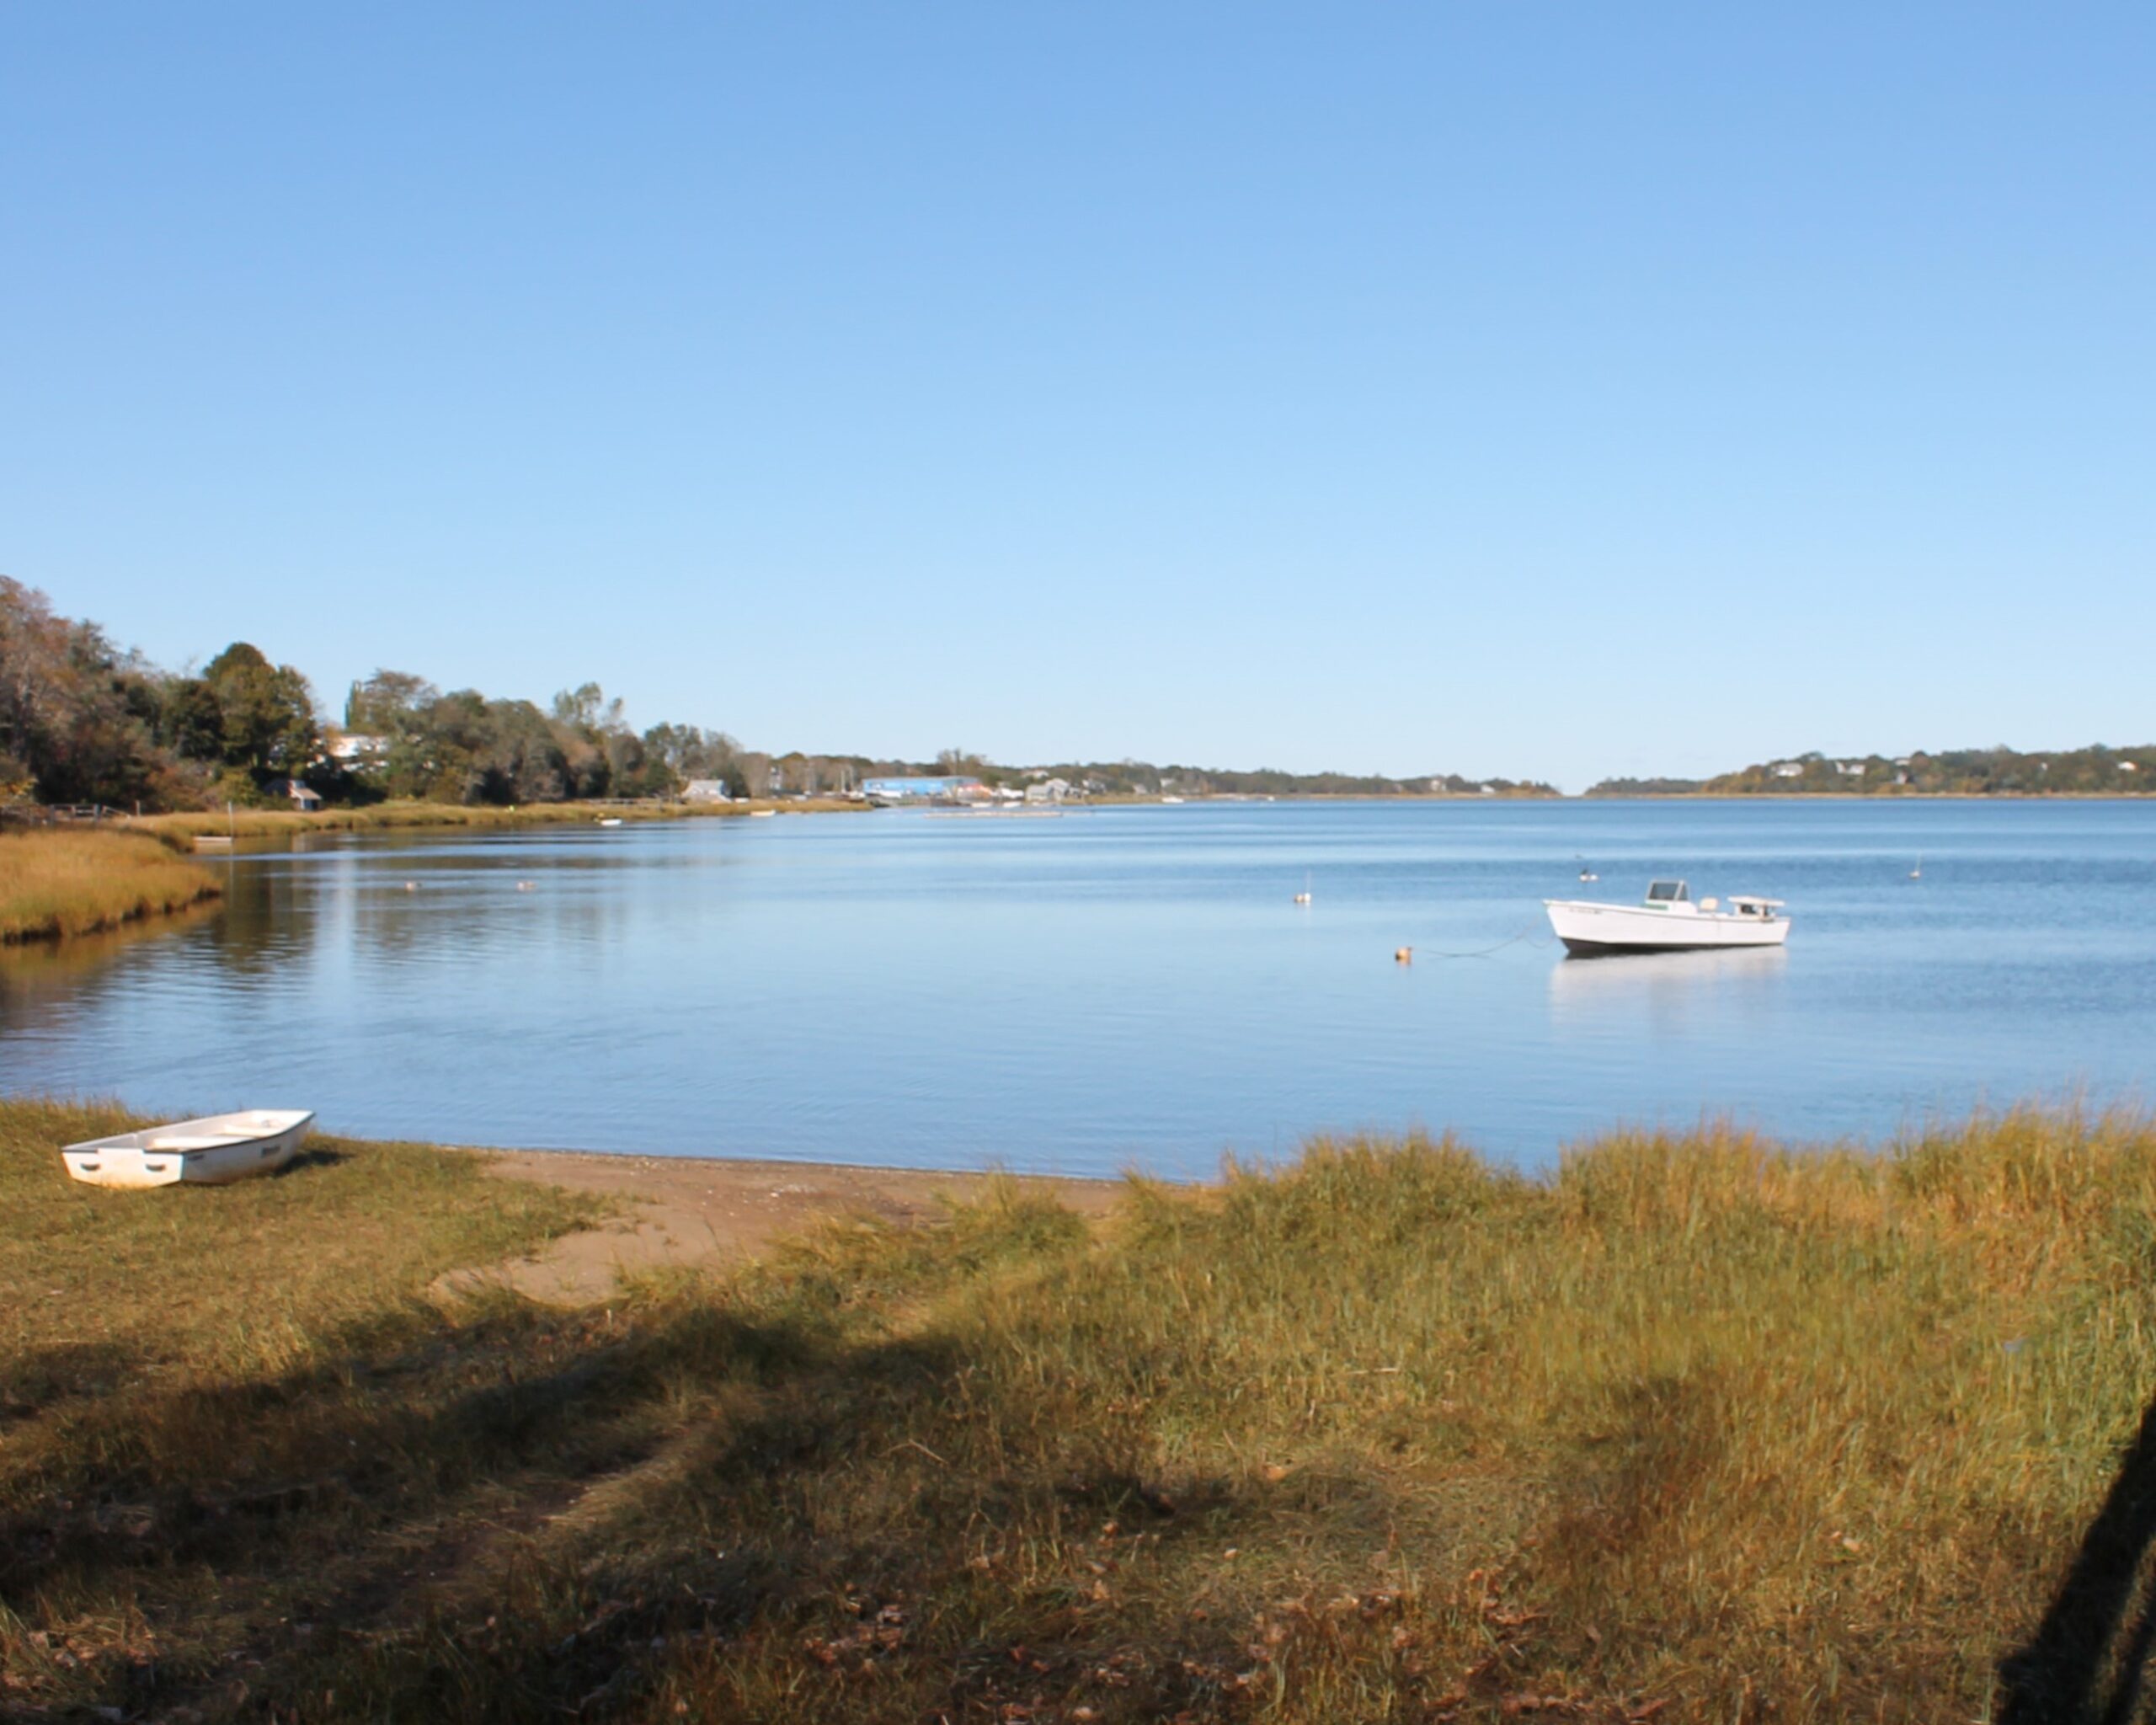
{"x": 1126, "y": 986}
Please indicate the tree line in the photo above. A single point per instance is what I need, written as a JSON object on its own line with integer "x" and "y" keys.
{"x": 2096, "y": 771}
{"x": 82, "y": 720}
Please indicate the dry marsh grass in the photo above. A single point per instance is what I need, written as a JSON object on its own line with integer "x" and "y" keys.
{"x": 58, "y": 882}
{"x": 182, "y": 830}
{"x": 1697, "y": 1428}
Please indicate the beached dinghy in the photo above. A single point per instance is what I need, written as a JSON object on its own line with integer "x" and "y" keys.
{"x": 1669, "y": 921}
{"x": 209, "y": 1151}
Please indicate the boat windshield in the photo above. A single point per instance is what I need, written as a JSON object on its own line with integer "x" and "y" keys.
{"x": 1666, "y": 892}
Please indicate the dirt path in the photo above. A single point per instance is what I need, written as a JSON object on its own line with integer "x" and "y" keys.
{"x": 686, "y": 1211}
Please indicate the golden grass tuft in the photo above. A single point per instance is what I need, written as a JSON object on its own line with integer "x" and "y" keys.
{"x": 55, "y": 882}
{"x": 1699, "y": 1427}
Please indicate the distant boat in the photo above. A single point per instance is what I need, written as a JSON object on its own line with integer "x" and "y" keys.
{"x": 761, "y": 814}
{"x": 1666, "y": 921}
{"x": 210, "y": 1151}
{"x": 1586, "y": 873}
{"x": 1172, "y": 799}
{"x": 610, "y": 820}
{"x": 1304, "y": 896}
{"x": 1916, "y": 873}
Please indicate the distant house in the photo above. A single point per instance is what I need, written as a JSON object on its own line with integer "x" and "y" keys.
{"x": 1789, "y": 769}
{"x": 353, "y": 750}
{"x": 304, "y": 798}
{"x": 2129, "y": 767}
{"x": 705, "y": 790}
{"x": 884, "y": 792}
{"x": 1852, "y": 769}
{"x": 1049, "y": 790}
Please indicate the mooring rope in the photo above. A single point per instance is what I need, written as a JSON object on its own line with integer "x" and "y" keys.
{"x": 1527, "y": 933}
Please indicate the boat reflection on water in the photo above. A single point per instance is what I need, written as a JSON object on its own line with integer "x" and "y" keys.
{"x": 1732, "y": 988}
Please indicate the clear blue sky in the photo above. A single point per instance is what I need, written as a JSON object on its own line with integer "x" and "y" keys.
{"x": 1555, "y": 390}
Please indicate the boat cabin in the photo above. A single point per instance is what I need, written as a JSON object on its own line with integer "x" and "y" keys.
{"x": 1763, "y": 908}
{"x": 1662, "y": 894}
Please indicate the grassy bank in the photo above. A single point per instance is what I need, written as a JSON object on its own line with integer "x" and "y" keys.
{"x": 1695, "y": 1429}
{"x": 56, "y": 882}
{"x": 396, "y": 815}
{"x": 181, "y": 831}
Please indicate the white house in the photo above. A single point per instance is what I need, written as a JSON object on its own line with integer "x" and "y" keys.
{"x": 705, "y": 790}
{"x": 1049, "y": 790}
{"x": 1789, "y": 769}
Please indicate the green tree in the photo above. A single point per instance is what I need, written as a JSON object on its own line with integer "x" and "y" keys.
{"x": 267, "y": 712}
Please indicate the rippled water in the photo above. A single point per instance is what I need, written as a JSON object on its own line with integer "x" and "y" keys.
{"x": 1124, "y": 986}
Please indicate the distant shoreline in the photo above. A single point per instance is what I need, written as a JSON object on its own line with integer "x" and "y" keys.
{"x": 179, "y": 830}
{"x": 1866, "y": 797}
{"x": 1639, "y": 797}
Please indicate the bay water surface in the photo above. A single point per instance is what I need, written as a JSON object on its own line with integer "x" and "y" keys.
{"x": 1127, "y": 987}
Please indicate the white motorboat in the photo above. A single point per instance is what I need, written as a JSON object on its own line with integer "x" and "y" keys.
{"x": 1666, "y": 921}
{"x": 210, "y": 1152}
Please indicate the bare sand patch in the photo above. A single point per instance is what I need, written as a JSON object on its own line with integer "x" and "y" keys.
{"x": 693, "y": 1210}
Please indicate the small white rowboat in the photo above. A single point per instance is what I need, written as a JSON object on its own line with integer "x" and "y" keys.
{"x": 1667, "y": 921}
{"x": 209, "y": 1151}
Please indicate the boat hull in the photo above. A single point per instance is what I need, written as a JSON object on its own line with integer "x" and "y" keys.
{"x": 1591, "y": 930}
{"x": 211, "y": 1152}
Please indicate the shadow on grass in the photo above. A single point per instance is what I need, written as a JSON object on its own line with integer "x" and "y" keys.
{"x": 320, "y": 1157}
{"x": 2076, "y": 1669}
{"x": 38, "y": 1377}
{"x": 514, "y": 1521}
{"x": 335, "y": 1492}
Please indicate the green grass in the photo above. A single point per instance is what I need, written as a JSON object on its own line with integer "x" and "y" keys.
{"x": 1698, "y": 1427}
{"x": 55, "y": 882}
